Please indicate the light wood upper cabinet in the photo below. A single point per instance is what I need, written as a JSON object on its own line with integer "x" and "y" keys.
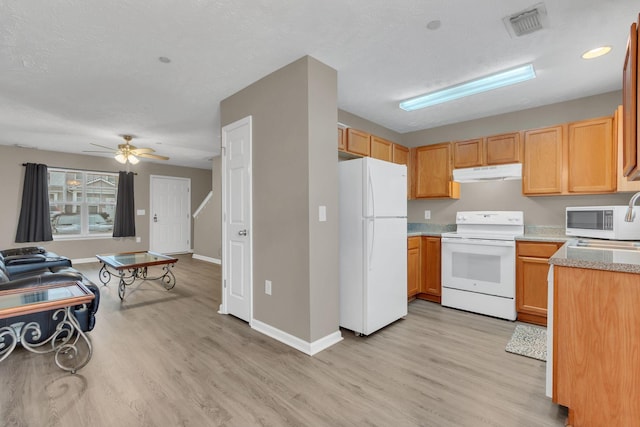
{"x": 467, "y": 154}
{"x": 503, "y": 149}
{"x": 591, "y": 156}
{"x": 623, "y": 184}
{"x": 543, "y": 161}
{"x": 413, "y": 266}
{"x": 381, "y": 148}
{"x": 342, "y": 140}
{"x": 532, "y": 267}
{"x": 630, "y": 95}
{"x": 432, "y": 168}
{"x": 358, "y": 142}
{"x": 401, "y": 155}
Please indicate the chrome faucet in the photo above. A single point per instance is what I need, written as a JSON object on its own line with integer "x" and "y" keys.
{"x": 629, "y": 215}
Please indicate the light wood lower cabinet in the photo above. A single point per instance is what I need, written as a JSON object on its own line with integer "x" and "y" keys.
{"x": 430, "y": 283}
{"x": 532, "y": 268}
{"x": 413, "y": 266}
{"x": 596, "y": 342}
{"x": 423, "y": 268}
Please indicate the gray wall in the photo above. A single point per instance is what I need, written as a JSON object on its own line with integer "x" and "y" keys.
{"x": 294, "y": 170}
{"x": 357, "y": 122}
{"x": 546, "y": 210}
{"x": 12, "y": 177}
{"x": 209, "y": 221}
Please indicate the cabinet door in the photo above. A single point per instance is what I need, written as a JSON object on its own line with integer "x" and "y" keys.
{"x": 401, "y": 156}
{"x": 358, "y": 142}
{"x": 433, "y": 172}
{"x": 381, "y": 149}
{"x": 430, "y": 278}
{"x": 342, "y": 144}
{"x": 591, "y": 156}
{"x": 501, "y": 149}
{"x": 542, "y": 165}
{"x": 622, "y": 183}
{"x": 413, "y": 266}
{"x": 532, "y": 268}
{"x": 630, "y": 104}
{"x": 467, "y": 154}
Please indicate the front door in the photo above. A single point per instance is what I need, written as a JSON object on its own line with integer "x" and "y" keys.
{"x": 170, "y": 214}
{"x": 237, "y": 233}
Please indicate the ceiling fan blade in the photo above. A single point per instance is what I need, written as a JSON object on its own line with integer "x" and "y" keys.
{"x": 152, "y": 156}
{"x": 138, "y": 151}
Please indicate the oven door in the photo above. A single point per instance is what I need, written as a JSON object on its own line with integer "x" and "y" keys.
{"x": 479, "y": 265}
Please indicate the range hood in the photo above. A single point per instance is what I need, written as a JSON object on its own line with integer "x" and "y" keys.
{"x": 488, "y": 173}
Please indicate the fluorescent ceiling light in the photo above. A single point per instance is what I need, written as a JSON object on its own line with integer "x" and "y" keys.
{"x": 595, "y": 53}
{"x": 483, "y": 84}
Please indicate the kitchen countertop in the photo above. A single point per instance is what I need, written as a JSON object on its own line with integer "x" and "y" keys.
{"x": 543, "y": 233}
{"x": 624, "y": 261}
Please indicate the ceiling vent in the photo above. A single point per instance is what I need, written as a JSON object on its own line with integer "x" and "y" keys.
{"x": 527, "y": 21}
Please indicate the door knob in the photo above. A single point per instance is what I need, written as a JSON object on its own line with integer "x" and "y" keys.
{"x": 242, "y": 233}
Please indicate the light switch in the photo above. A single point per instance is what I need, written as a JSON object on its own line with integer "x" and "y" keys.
{"x": 140, "y": 212}
{"x": 322, "y": 214}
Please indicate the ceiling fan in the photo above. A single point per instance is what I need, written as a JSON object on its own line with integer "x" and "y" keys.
{"x": 127, "y": 153}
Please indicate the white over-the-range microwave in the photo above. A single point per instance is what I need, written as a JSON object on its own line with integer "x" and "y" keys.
{"x": 602, "y": 222}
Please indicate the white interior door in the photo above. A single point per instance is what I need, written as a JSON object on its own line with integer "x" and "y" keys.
{"x": 170, "y": 214}
{"x": 236, "y": 235}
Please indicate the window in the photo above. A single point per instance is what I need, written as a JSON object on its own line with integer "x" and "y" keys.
{"x": 82, "y": 203}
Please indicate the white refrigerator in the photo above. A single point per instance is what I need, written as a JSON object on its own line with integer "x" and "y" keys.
{"x": 373, "y": 244}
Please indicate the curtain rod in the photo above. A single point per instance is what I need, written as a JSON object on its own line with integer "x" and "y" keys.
{"x": 80, "y": 170}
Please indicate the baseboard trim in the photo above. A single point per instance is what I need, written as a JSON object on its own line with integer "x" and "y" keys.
{"x": 207, "y": 259}
{"x": 309, "y": 348}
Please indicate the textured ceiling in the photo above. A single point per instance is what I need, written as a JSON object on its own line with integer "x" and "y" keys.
{"x": 75, "y": 72}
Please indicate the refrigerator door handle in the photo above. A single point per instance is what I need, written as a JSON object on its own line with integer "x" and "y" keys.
{"x": 372, "y": 193}
{"x": 372, "y": 221}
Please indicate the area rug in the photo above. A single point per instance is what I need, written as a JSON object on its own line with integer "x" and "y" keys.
{"x": 529, "y": 341}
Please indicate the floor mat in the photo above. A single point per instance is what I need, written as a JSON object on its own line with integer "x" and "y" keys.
{"x": 529, "y": 341}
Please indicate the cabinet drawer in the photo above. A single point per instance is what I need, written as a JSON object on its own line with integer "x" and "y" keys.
{"x": 537, "y": 249}
{"x": 413, "y": 242}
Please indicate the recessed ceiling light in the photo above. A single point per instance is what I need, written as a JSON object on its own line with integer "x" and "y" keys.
{"x": 164, "y": 59}
{"x": 598, "y": 51}
{"x": 483, "y": 84}
{"x": 434, "y": 25}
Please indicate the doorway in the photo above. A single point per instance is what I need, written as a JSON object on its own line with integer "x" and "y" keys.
{"x": 237, "y": 236}
{"x": 170, "y": 215}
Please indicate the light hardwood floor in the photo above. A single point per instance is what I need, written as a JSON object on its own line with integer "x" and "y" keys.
{"x": 166, "y": 358}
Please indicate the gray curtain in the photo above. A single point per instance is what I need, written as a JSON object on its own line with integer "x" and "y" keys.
{"x": 34, "y": 224}
{"x": 124, "y": 224}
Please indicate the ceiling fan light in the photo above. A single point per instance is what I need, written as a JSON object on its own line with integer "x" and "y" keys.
{"x": 121, "y": 158}
{"x": 133, "y": 159}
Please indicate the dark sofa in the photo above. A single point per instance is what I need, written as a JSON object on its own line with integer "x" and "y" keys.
{"x": 39, "y": 268}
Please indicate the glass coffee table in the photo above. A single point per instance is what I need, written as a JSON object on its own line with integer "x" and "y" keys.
{"x": 61, "y": 297}
{"x": 129, "y": 266}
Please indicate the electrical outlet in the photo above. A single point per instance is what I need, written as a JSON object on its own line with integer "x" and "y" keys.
{"x": 427, "y": 214}
{"x": 138, "y": 239}
{"x": 267, "y": 287}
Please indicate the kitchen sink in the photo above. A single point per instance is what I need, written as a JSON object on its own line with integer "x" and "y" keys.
{"x": 607, "y": 245}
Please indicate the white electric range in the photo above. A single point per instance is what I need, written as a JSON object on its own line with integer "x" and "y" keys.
{"x": 479, "y": 262}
